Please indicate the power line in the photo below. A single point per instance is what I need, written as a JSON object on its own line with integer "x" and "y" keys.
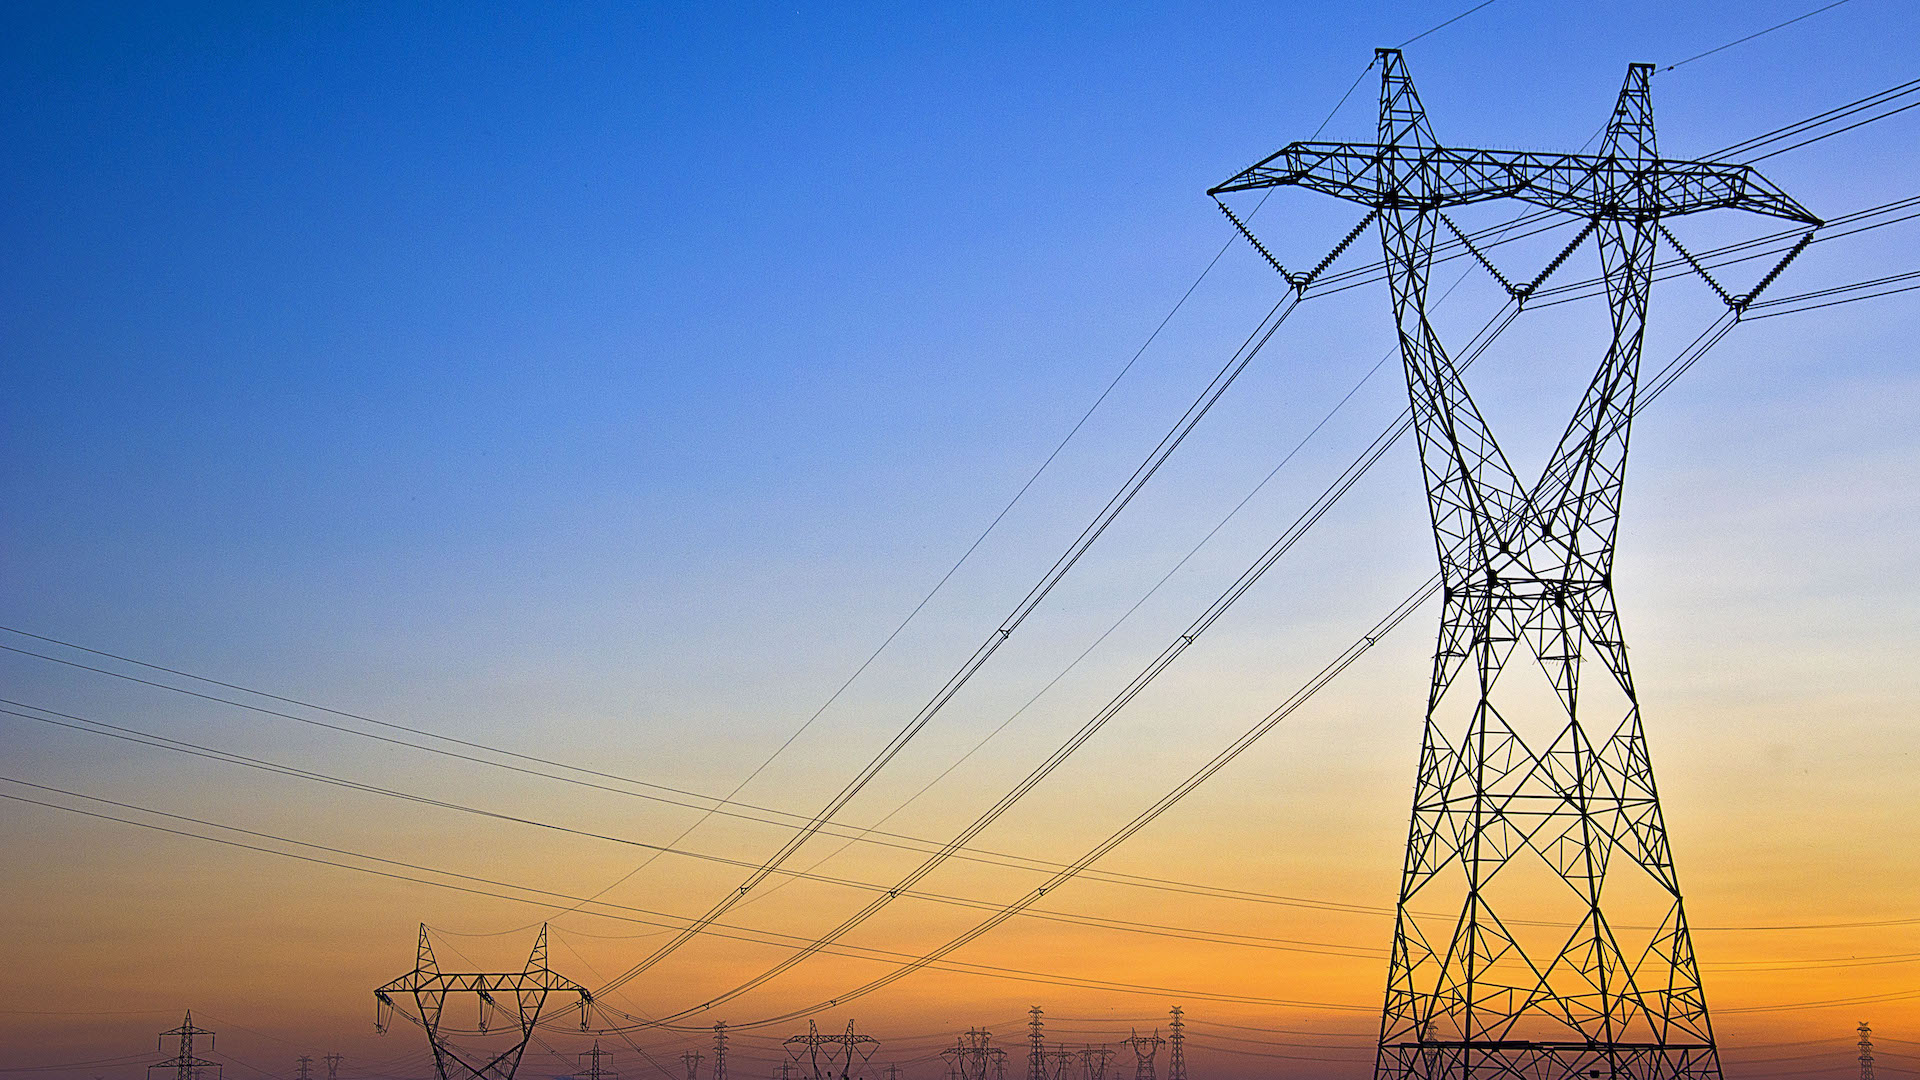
{"x": 1755, "y": 34}
{"x": 1784, "y": 312}
{"x": 1222, "y": 381}
{"x": 548, "y": 896}
{"x": 1661, "y": 381}
{"x": 762, "y": 815}
{"x": 1132, "y": 926}
{"x": 1449, "y": 22}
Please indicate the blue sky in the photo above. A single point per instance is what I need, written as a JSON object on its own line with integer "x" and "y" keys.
{"x": 610, "y": 380}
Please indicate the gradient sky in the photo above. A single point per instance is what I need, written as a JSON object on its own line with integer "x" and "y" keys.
{"x": 606, "y": 383}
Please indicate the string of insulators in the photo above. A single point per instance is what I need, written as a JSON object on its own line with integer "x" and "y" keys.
{"x": 1527, "y": 290}
{"x": 1702, "y": 271}
{"x": 1337, "y": 250}
{"x": 1742, "y": 303}
{"x": 1484, "y": 261}
{"x": 1257, "y": 245}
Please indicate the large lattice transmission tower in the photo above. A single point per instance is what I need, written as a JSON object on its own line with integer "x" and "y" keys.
{"x": 1540, "y": 932}
{"x": 527, "y": 989}
{"x": 974, "y": 1057}
{"x": 1866, "y": 1051}
{"x": 832, "y": 1057}
{"x": 185, "y": 1064}
{"x": 1145, "y": 1049}
{"x": 1036, "y": 1044}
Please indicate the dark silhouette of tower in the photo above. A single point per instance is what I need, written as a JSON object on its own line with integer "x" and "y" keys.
{"x": 1540, "y": 933}
{"x": 184, "y": 1064}
{"x": 595, "y": 1061}
{"x": 527, "y": 989}
{"x": 832, "y": 1057}
{"x": 1866, "y": 1051}
{"x": 1036, "y": 1045}
{"x": 1145, "y": 1049}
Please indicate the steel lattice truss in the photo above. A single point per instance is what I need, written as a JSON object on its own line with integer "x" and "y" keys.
{"x": 185, "y": 1064}
{"x": 832, "y": 1057}
{"x": 430, "y": 986}
{"x": 1516, "y": 951}
{"x": 974, "y": 1057}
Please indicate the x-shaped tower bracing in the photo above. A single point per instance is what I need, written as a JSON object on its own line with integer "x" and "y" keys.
{"x": 528, "y": 989}
{"x": 1515, "y": 952}
{"x": 832, "y": 1057}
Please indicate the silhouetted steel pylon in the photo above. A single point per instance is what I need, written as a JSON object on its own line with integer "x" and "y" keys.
{"x": 1036, "y": 1044}
{"x": 1866, "y": 1051}
{"x": 1516, "y": 952}
{"x": 1093, "y": 1062}
{"x": 593, "y": 1060}
{"x": 832, "y": 1057}
{"x": 185, "y": 1064}
{"x": 974, "y": 1057}
{"x": 1145, "y": 1049}
{"x": 429, "y": 987}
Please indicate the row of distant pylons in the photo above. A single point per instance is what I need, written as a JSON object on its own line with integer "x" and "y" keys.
{"x": 187, "y": 1064}
{"x": 839, "y": 1056}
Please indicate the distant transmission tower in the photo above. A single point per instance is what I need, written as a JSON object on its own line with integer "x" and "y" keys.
{"x": 1036, "y": 1045}
{"x": 832, "y": 1057}
{"x": 1064, "y": 1063}
{"x": 306, "y": 1067}
{"x": 594, "y": 1060}
{"x": 333, "y": 1066}
{"x": 1515, "y": 952}
{"x": 1093, "y": 1061}
{"x": 692, "y": 1060}
{"x": 184, "y": 1064}
{"x": 1145, "y": 1049}
{"x": 527, "y": 989}
{"x": 974, "y": 1057}
{"x": 1176, "y": 1047}
{"x": 1866, "y": 1051}
{"x": 720, "y": 1051}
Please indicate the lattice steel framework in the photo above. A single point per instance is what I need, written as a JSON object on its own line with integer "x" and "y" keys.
{"x": 185, "y": 1064}
{"x": 429, "y": 987}
{"x": 832, "y": 1057}
{"x": 974, "y": 1057}
{"x": 1516, "y": 952}
{"x": 1145, "y": 1048}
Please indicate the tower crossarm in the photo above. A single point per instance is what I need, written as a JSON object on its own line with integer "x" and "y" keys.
{"x": 451, "y": 982}
{"x": 1586, "y": 185}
